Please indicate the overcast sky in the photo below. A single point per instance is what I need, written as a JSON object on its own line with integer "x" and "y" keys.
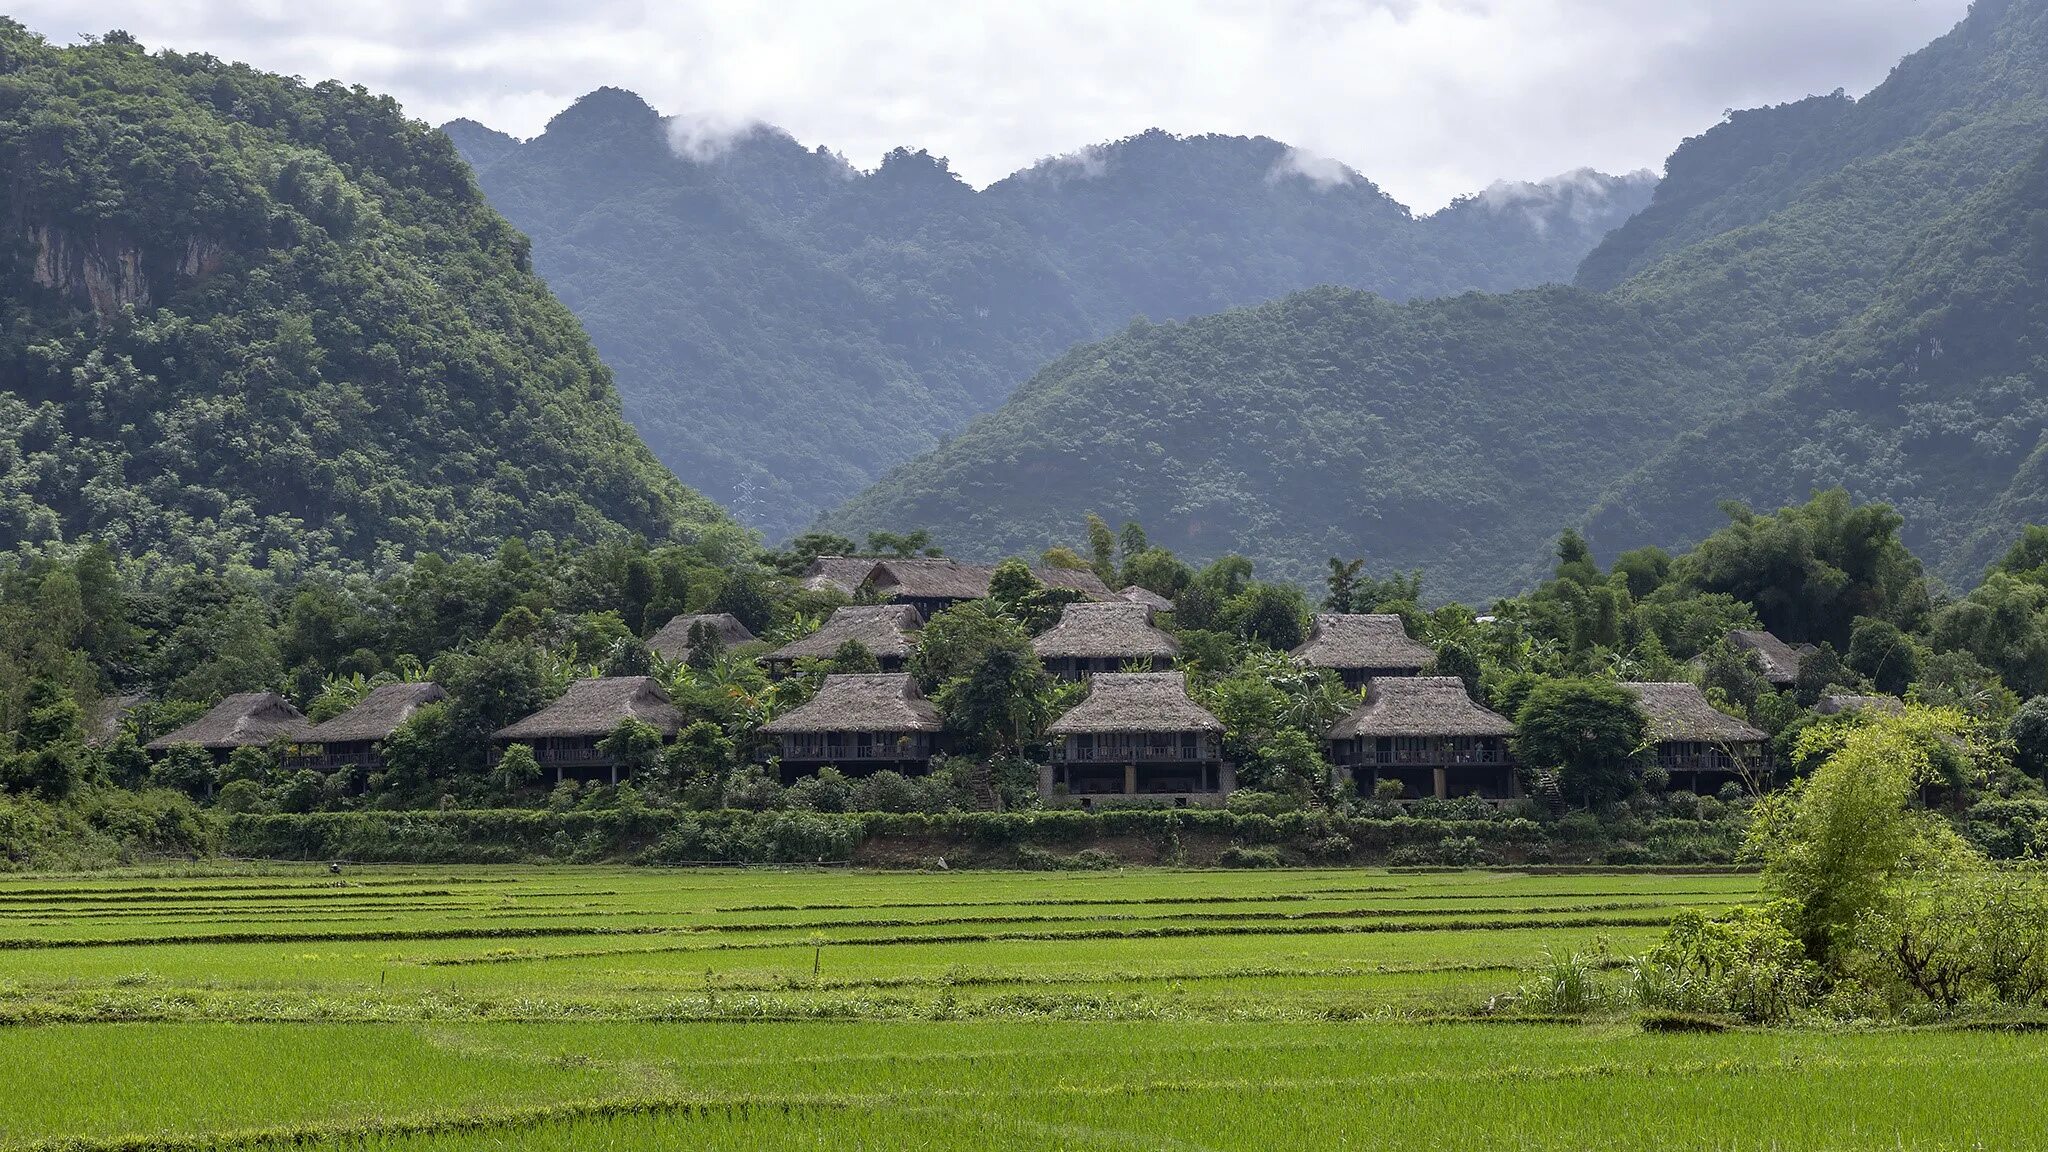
{"x": 1430, "y": 98}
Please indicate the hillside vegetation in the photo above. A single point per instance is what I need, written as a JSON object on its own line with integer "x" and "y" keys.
{"x": 249, "y": 319}
{"x": 1785, "y": 247}
{"x": 786, "y": 327}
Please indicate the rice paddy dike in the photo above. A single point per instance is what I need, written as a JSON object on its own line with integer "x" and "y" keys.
{"x": 584, "y": 1007}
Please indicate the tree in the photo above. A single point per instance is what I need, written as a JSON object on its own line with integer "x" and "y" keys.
{"x": 956, "y": 640}
{"x": 1643, "y": 570}
{"x": 1342, "y": 583}
{"x": 634, "y": 745}
{"x": 2003, "y": 622}
{"x": 1591, "y": 732}
{"x": 744, "y": 597}
{"x": 629, "y": 656}
{"x": 1201, "y": 603}
{"x": 1883, "y": 654}
{"x": 705, "y": 644}
{"x": 186, "y": 768}
{"x": 1274, "y": 614}
{"x": 1001, "y": 702}
{"x": 1017, "y": 592}
{"x": 1290, "y": 763}
{"x": 1835, "y": 844}
{"x": 853, "y": 656}
{"x": 2028, "y": 732}
{"x": 1102, "y": 549}
{"x": 1811, "y": 569}
{"x": 695, "y": 766}
{"x": 1737, "y": 674}
{"x": 517, "y": 770}
{"x": 902, "y": 547}
{"x": 1158, "y": 570}
{"x": 1820, "y": 672}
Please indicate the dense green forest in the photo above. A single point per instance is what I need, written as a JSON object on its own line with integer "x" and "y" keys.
{"x": 252, "y": 320}
{"x": 1790, "y": 261}
{"x": 100, "y": 653}
{"x": 786, "y": 327}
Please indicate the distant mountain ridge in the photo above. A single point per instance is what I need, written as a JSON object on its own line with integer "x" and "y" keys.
{"x": 1743, "y": 336}
{"x": 785, "y": 328}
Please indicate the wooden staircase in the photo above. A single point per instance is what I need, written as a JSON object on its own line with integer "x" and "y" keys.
{"x": 1544, "y": 791}
{"x": 982, "y": 783}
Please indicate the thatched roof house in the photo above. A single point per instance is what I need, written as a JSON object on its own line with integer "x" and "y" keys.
{"x": 887, "y": 631}
{"x": 244, "y": 720}
{"x": 1102, "y": 637}
{"x": 1426, "y": 733}
{"x": 860, "y": 722}
{"x": 672, "y": 642}
{"x": 591, "y": 709}
{"x": 1147, "y": 597}
{"x": 1701, "y": 747}
{"x": 932, "y": 583}
{"x": 1137, "y": 735}
{"x": 1836, "y": 705}
{"x": 380, "y": 714}
{"x": 861, "y": 702}
{"x": 1679, "y": 712}
{"x": 1122, "y": 702}
{"x": 841, "y": 574}
{"x": 1419, "y": 706}
{"x": 1361, "y": 646}
{"x": 1780, "y": 661}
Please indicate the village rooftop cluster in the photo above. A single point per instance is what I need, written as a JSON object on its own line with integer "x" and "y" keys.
{"x": 1137, "y": 735}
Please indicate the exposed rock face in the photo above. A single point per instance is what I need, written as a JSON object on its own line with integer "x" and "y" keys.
{"x": 109, "y": 273}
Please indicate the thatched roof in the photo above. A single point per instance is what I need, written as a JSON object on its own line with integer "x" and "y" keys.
{"x": 1835, "y": 705}
{"x": 242, "y": 720}
{"x": 1679, "y": 711}
{"x": 885, "y": 630}
{"x": 1345, "y": 640}
{"x": 673, "y": 641}
{"x": 1147, "y": 597}
{"x": 1780, "y": 660}
{"x": 378, "y": 716}
{"x": 1136, "y": 702}
{"x": 1117, "y": 629}
{"x": 939, "y": 579}
{"x": 1080, "y": 580}
{"x": 861, "y": 702}
{"x": 841, "y": 574}
{"x": 103, "y": 720}
{"x": 595, "y": 707}
{"x": 1419, "y": 706}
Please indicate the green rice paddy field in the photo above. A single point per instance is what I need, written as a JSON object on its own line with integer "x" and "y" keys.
{"x": 587, "y": 1008}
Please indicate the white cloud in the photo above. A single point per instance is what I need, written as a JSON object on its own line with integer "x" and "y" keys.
{"x": 703, "y": 136}
{"x": 1428, "y": 98}
{"x": 1321, "y": 171}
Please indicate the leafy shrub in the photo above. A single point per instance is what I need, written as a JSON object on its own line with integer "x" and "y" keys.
{"x": 1086, "y": 860}
{"x": 1239, "y": 856}
{"x": 751, "y": 789}
{"x": 1747, "y": 964}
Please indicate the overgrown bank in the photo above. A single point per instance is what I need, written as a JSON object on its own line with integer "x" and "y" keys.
{"x": 1038, "y": 839}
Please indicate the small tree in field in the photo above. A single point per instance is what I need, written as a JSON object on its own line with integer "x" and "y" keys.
{"x": 1836, "y": 845}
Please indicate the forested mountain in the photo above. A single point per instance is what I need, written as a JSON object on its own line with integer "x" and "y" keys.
{"x": 786, "y": 327}
{"x": 250, "y": 319}
{"x": 1782, "y": 261}
{"x": 1931, "y": 400}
